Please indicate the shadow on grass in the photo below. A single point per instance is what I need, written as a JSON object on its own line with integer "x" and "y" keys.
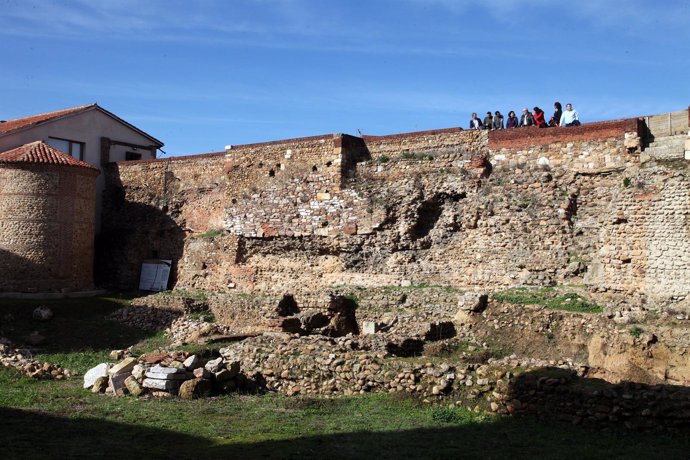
{"x": 28, "y": 434}
{"x": 78, "y": 324}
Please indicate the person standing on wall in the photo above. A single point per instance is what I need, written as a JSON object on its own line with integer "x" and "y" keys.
{"x": 526, "y": 119}
{"x": 498, "y": 120}
{"x": 475, "y": 122}
{"x": 488, "y": 121}
{"x": 539, "y": 119}
{"x": 556, "y": 118}
{"x": 513, "y": 121}
{"x": 570, "y": 116}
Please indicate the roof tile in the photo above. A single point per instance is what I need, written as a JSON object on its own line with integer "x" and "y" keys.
{"x": 41, "y": 153}
{"x": 20, "y": 123}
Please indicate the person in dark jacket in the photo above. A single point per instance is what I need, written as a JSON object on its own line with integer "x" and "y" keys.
{"x": 475, "y": 122}
{"x": 539, "y": 118}
{"x": 526, "y": 119}
{"x": 513, "y": 121}
{"x": 558, "y": 111}
{"x": 488, "y": 121}
{"x": 498, "y": 120}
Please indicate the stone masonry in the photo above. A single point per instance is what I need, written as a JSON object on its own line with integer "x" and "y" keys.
{"x": 447, "y": 207}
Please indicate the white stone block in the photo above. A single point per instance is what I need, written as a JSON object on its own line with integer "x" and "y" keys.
{"x": 157, "y": 376}
{"x": 369, "y": 327}
{"x": 158, "y": 369}
{"x": 123, "y": 367}
{"x": 94, "y": 373}
{"x": 165, "y": 385}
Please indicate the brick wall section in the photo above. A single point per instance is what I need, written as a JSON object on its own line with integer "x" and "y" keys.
{"x": 47, "y": 221}
{"x": 586, "y": 148}
{"x": 587, "y": 132}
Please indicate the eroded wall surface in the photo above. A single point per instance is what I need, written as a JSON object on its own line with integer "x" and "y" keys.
{"x": 461, "y": 208}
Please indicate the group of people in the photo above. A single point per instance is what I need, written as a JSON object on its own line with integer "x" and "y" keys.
{"x": 567, "y": 117}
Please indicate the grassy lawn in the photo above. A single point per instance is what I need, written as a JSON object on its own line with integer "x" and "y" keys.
{"x": 49, "y": 419}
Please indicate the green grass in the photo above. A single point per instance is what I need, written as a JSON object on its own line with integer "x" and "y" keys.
{"x": 58, "y": 419}
{"x": 548, "y": 297}
{"x": 42, "y": 419}
{"x": 211, "y": 234}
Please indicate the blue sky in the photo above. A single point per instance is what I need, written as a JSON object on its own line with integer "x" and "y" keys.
{"x": 200, "y": 75}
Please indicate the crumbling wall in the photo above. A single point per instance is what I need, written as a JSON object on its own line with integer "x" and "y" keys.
{"x": 450, "y": 207}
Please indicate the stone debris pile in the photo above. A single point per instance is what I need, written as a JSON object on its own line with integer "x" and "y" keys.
{"x": 317, "y": 365}
{"x": 21, "y": 359}
{"x": 163, "y": 374}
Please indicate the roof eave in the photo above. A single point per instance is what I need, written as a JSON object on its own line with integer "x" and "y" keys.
{"x": 86, "y": 108}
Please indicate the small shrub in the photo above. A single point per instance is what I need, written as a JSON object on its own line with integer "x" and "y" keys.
{"x": 211, "y": 234}
{"x": 636, "y": 331}
{"x": 205, "y": 316}
{"x": 626, "y": 182}
{"x": 446, "y": 415}
{"x": 383, "y": 159}
{"x": 352, "y": 298}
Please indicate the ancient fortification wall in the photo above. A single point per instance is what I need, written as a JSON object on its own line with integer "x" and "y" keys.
{"x": 465, "y": 208}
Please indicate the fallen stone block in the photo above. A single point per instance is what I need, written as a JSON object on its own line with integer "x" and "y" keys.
{"x": 139, "y": 371}
{"x": 117, "y": 355}
{"x": 192, "y": 362}
{"x": 214, "y": 365}
{"x": 195, "y": 388}
{"x": 165, "y": 370}
{"x": 117, "y": 383}
{"x": 100, "y": 384}
{"x": 123, "y": 367}
{"x": 201, "y": 373}
{"x": 165, "y": 385}
{"x": 133, "y": 386}
{"x": 175, "y": 364}
{"x": 94, "y": 373}
{"x": 157, "y": 376}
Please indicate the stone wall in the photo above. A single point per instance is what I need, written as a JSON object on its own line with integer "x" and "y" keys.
{"x": 451, "y": 207}
{"x": 47, "y": 223}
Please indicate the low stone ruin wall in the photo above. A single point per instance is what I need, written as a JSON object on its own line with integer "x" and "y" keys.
{"x": 563, "y": 396}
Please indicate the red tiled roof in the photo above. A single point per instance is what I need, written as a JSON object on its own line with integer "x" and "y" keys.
{"x": 41, "y": 153}
{"x": 19, "y": 123}
{"x": 10, "y": 126}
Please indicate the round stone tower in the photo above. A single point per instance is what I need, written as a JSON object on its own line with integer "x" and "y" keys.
{"x": 47, "y": 220}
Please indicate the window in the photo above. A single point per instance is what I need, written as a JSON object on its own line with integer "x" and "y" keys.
{"x": 72, "y": 148}
{"x": 132, "y": 156}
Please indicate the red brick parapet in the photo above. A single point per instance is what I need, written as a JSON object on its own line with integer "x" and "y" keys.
{"x": 533, "y": 136}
